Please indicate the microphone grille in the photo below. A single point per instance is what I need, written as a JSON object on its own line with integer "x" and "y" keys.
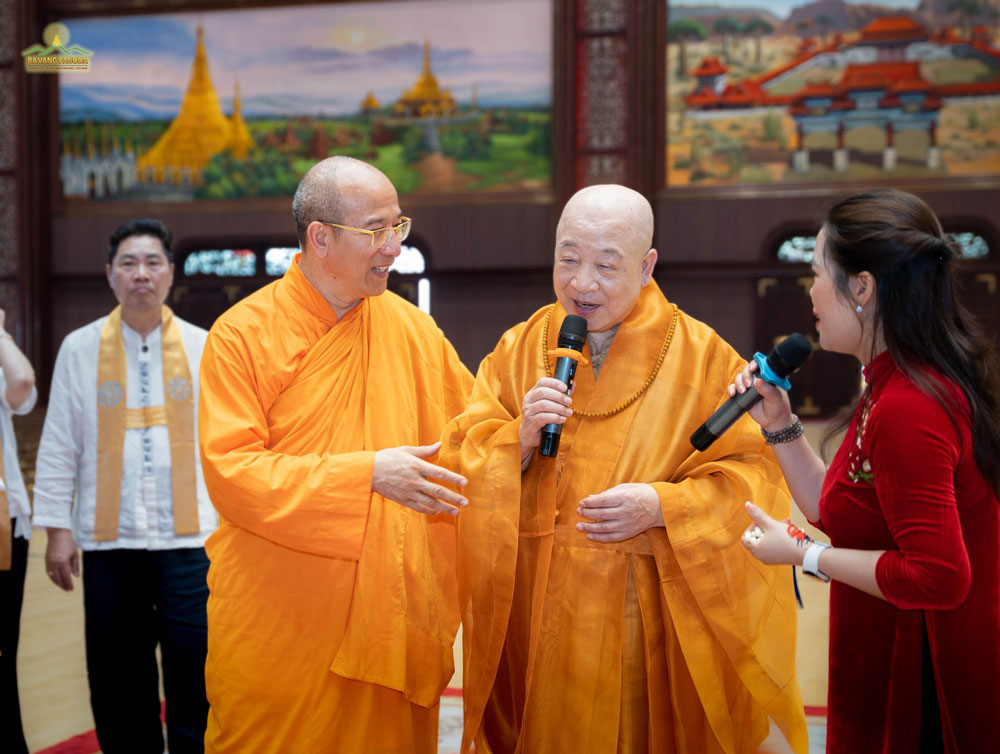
{"x": 790, "y": 354}
{"x": 574, "y": 328}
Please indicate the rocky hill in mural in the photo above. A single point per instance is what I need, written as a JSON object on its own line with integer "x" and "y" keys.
{"x": 831, "y": 16}
{"x": 709, "y": 15}
{"x": 955, "y": 13}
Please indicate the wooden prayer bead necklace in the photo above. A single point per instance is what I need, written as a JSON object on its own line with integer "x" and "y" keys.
{"x": 640, "y": 391}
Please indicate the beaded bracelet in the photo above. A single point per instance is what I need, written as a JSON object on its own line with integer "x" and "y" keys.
{"x": 792, "y": 432}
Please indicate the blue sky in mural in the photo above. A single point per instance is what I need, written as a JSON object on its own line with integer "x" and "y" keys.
{"x": 781, "y": 8}
{"x": 313, "y": 60}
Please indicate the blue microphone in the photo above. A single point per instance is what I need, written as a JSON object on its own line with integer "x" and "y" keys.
{"x": 785, "y": 358}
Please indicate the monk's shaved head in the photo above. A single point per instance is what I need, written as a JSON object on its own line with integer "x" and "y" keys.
{"x": 324, "y": 193}
{"x": 346, "y": 264}
{"x": 604, "y": 255}
{"x": 621, "y": 210}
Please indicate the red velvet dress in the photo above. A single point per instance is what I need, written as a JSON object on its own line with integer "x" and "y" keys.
{"x": 907, "y": 483}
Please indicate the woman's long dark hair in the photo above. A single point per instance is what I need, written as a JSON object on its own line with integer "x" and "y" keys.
{"x": 897, "y": 238}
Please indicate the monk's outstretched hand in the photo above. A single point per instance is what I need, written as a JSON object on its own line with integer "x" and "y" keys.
{"x": 620, "y": 513}
{"x": 546, "y": 403}
{"x": 402, "y": 475}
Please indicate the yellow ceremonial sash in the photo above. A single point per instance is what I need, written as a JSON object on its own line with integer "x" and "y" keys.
{"x": 5, "y": 527}
{"x": 113, "y": 418}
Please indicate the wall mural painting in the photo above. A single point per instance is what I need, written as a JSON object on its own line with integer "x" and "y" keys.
{"x": 806, "y": 92}
{"x": 443, "y": 96}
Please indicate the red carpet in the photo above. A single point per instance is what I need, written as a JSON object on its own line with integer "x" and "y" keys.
{"x": 85, "y": 743}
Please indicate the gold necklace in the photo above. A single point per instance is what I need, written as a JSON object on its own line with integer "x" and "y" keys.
{"x": 640, "y": 391}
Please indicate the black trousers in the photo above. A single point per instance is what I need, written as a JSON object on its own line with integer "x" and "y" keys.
{"x": 11, "y": 597}
{"x": 134, "y": 600}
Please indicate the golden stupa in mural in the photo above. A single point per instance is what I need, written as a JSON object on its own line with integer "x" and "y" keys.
{"x": 199, "y": 131}
{"x": 240, "y": 141}
{"x": 426, "y": 98}
{"x": 370, "y": 103}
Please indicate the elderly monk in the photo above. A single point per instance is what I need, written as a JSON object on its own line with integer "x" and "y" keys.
{"x": 608, "y": 604}
{"x": 333, "y": 607}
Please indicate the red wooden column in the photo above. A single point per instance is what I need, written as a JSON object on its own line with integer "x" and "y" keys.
{"x": 12, "y": 198}
{"x": 601, "y": 86}
{"x": 25, "y": 170}
{"x": 615, "y": 80}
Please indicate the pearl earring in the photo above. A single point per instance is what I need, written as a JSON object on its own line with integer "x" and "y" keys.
{"x": 858, "y": 308}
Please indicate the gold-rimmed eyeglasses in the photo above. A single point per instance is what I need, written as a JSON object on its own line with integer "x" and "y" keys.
{"x": 381, "y": 236}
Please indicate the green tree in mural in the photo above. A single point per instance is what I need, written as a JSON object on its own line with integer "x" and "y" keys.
{"x": 727, "y": 27}
{"x": 414, "y": 145}
{"x": 825, "y": 23}
{"x": 540, "y": 139}
{"x": 772, "y": 127}
{"x": 268, "y": 174}
{"x": 969, "y": 10}
{"x": 465, "y": 144}
{"x": 683, "y": 31}
{"x": 757, "y": 28}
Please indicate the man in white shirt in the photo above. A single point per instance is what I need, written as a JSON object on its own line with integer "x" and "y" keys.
{"x": 119, "y": 477}
{"x": 17, "y": 396}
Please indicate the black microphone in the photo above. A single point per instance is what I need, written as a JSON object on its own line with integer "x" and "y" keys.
{"x": 572, "y": 334}
{"x": 787, "y": 356}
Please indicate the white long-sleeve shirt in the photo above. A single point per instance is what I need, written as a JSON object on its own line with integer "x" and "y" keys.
{"x": 17, "y": 495}
{"x": 66, "y": 470}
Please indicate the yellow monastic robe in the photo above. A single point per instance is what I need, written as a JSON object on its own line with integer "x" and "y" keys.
{"x": 562, "y": 636}
{"x": 332, "y": 611}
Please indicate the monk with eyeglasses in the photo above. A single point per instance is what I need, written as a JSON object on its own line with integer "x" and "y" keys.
{"x": 333, "y": 603}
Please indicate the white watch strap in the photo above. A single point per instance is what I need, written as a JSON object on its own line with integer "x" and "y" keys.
{"x": 810, "y": 560}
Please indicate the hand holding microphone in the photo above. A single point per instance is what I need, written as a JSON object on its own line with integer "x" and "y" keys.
{"x": 774, "y": 410}
{"x": 747, "y": 392}
{"x": 546, "y": 405}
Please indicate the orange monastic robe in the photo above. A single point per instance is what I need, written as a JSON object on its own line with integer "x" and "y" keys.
{"x": 332, "y": 611}
{"x": 564, "y": 639}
